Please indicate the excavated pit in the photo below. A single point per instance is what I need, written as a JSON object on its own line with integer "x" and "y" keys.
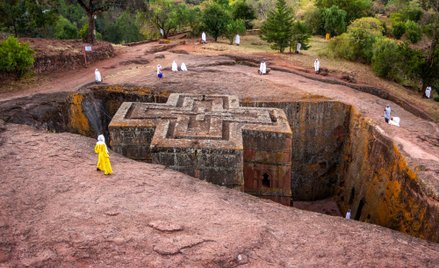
{"x": 336, "y": 153}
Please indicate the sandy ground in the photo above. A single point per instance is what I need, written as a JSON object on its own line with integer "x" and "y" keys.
{"x": 58, "y": 211}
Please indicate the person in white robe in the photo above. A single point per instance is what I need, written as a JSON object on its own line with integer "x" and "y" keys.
{"x": 387, "y": 112}
{"x": 348, "y": 214}
{"x": 428, "y": 92}
{"x": 183, "y": 67}
{"x": 203, "y": 38}
{"x": 159, "y": 71}
{"x": 262, "y": 68}
{"x": 98, "y": 77}
{"x": 298, "y": 47}
{"x": 317, "y": 66}
{"x": 394, "y": 121}
{"x": 237, "y": 39}
{"x": 162, "y": 33}
{"x": 174, "y": 66}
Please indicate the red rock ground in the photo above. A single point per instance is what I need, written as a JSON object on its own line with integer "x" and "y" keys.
{"x": 57, "y": 211}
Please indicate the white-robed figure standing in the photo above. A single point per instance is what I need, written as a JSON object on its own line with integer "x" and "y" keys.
{"x": 183, "y": 67}
{"x": 263, "y": 68}
{"x": 348, "y": 214}
{"x": 317, "y": 66}
{"x": 203, "y": 38}
{"x": 298, "y": 47}
{"x": 237, "y": 39}
{"x": 98, "y": 77}
{"x": 174, "y": 66}
{"x": 428, "y": 92}
{"x": 387, "y": 112}
{"x": 159, "y": 71}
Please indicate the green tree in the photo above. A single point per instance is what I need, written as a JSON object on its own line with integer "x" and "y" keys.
{"x": 355, "y": 8}
{"x": 313, "y": 20}
{"x": 300, "y": 35}
{"x": 234, "y": 27}
{"x": 241, "y": 10}
{"x": 167, "y": 15}
{"x": 194, "y": 20}
{"x": 277, "y": 29}
{"x": 334, "y": 20}
{"x": 92, "y": 8}
{"x": 430, "y": 22}
{"x": 15, "y": 57}
{"x": 64, "y": 29}
{"x": 215, "y": 20}
{"x": 27, "y": 17}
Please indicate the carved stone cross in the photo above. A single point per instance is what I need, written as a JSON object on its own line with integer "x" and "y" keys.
{"x": 210, "y": 137}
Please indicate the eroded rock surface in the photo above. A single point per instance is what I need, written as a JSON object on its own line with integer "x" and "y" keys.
{"x": 57, "y": 211}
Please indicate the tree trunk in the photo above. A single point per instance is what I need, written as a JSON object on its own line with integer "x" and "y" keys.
{"x": 91, "y": 26}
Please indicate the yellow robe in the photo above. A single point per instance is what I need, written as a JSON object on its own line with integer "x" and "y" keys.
{"x": 103, "y": 158}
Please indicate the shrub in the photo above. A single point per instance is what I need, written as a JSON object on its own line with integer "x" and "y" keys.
{"x": 398, "y": 30}
{"x": 386, "y": 58}
{"x": 15, "y": 57}
{"x": 396, "y": 62}
{"x": 413, "y": 31}
{"x": 372, "y": 25}
{"x": 341, "y": 46}
{"x": 64, "y": 29}
{"x": 358, "y": 42}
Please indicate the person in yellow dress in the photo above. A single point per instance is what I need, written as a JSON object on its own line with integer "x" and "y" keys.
{"x": 103, "y": 157}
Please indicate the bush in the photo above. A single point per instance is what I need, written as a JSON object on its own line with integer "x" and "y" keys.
{"x": 413, "y": 31}
{"x": 372, "y": 25}
{"x": 357, "y": 43}
{"x": 15, "y": 57}
{"x": 386, "y": 59}
{"x": 398, "y": 30}
{"x": 396, "y": 62}
{"x": 64, "y": 29}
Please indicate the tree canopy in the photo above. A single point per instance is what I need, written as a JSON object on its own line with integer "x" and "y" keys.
{"x": 277, "y": 29}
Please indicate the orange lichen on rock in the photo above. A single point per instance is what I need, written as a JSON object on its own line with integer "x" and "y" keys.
{"x": 379, "y": 185}
{"x": 78, "y": 121}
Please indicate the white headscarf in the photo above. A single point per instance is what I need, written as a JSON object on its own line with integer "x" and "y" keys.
{"x": 101, "y": 140}
{"x": 159, "y": 68}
